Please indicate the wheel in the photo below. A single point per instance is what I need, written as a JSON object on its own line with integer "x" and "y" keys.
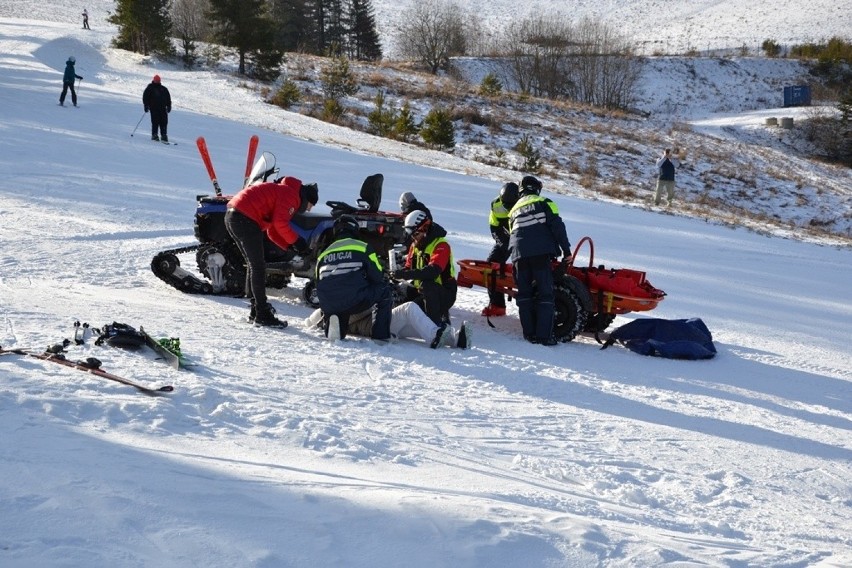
{"x": 570, "y": 317}
{"x": 217, "y": 265}
{"x": 309, "y": 294}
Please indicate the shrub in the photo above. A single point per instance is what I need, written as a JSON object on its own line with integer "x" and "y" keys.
{"x": 437, "y": 129}
{"x": 490, "y": 86}
{"x": 530, "y": 154}
{"x": 287, "y": 95}
{"x": 404, "y": 127}
{"x": 381, "y": 119}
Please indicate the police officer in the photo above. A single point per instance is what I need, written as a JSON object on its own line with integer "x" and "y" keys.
{"x": 349, "y": 280}
{"x": 537, "y": 234}
{"x": 498, "y": 222}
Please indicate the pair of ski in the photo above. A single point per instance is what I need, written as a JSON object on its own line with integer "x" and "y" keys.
{"x": 88, "y": 367}
{"x": 208, "y": 163}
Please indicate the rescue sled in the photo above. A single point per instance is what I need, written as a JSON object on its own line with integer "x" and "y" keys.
{"x": 587, "y": 298}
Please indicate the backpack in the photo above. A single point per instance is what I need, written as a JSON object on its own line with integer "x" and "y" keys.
{"x": 672, "y": 339}
{"x": 120, "y": 335}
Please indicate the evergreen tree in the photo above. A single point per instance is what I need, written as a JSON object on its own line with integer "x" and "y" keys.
{"x": 315, "y": 12}
{"x": 292, "y": 26}
{"x": 336, "y": 26}
{"x": 364, "y": 39}
{"x": 144, "y": 26}
{"x": 243, "y": 24}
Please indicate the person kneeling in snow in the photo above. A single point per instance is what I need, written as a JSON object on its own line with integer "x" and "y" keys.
{"x": 407, "y": 321}
{"x": 349, "y": 280}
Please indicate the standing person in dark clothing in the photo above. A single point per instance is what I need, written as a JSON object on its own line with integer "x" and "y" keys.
{"x": 537, "y": 233}
{"x": 85, "y": 19}
{"x": 498, "y": 222}
{"x": 68, "y": 81}
{"x": 666, "y": 166}
{"x": 157, "y": 99}
{"x": 350, "y": 280}
{"x": 430, "y": 268}
{"x": 265, "y": 209}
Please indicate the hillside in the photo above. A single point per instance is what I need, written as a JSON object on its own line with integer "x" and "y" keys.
{"x": 281, "y": 449}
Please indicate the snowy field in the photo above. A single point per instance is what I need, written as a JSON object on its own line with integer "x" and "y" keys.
{"x": 281, "y": 449}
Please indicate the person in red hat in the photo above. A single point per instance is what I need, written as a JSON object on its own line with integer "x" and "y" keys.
{"x": 157, "y": 99}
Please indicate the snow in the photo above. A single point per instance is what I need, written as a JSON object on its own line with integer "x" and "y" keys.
{"x": 282, "y": 449}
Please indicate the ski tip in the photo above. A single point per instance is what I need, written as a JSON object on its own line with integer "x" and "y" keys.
{"x": 167, "y": 388}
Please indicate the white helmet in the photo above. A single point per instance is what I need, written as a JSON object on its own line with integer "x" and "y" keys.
{"x": 415, "y": 221}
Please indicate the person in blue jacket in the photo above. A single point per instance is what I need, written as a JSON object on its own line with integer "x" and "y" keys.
{"x": 349, "y": 279}
{"x": 536, "y": 236}
{"x": 68, "y": 81}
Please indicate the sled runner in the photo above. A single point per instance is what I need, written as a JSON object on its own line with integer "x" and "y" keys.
{"x": 587, "y": 298}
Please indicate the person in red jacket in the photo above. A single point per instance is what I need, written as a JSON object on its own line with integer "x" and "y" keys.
{"x": 265, "y": 209}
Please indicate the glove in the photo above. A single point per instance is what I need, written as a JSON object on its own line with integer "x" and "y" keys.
{"x": 168, "y": 110}
{"x": 300, "y": 246}
{"x": 146, "y": 109}
{"x": 404, "y": 274}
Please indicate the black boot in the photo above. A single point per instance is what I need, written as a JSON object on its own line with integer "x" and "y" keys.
{"x": 266, "y": 317}
{"x": 252, "y": 311}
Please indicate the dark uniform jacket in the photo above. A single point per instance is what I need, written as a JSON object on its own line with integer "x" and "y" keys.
{"x": 536, "y": 229}
{"x": 347, "y": 272}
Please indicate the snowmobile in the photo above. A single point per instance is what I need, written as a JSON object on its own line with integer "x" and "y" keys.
{"x": 222, "y": 266}
{"x": 587, "y": 298}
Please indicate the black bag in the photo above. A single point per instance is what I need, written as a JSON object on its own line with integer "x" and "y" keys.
{"x": 120, "y": 335}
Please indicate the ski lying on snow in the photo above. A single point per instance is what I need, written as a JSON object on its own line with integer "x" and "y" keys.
{"x": 57, "y": 358}
{"x": 171, "y": 358}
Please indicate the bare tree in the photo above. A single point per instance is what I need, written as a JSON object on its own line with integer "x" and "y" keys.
{"x": 432, "y": 32}
{"x": 189, "y": 23}
{"x": 537, "y": 48}
{"x": 602, "y": 67}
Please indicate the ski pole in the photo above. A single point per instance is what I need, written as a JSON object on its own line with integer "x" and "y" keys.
{"x": 137, "y": 125}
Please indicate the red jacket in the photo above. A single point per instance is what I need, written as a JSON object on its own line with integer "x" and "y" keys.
{"x": 271, "y": 205}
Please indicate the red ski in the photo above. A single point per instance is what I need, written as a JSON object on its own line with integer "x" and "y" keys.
{"x": 83, "y": 366}
{"x": 205, "y": 155}
{"x": 252, "y": 150}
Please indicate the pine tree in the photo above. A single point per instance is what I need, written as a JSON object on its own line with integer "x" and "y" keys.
{"x": 292, "y": 26}
{"x": 364, "y": 39}
{"x": 143, "y": 26}
{"x": 243, "y": 24}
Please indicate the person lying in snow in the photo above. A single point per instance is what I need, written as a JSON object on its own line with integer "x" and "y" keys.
{"x": 407, "y": 321}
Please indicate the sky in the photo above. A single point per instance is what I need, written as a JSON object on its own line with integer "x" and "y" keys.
{"x": 281, "y": 449}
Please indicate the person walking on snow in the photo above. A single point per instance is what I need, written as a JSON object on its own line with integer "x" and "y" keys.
{"x": 157, "y": 99}
{"x": 85, "y": 19}
{"x": 666, "y": 166}
{"x": 68, "y": 81}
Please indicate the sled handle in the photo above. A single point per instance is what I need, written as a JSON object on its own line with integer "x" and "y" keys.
{"x": 591, "y": 251}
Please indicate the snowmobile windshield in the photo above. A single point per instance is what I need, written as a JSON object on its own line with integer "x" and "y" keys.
{"x": 263, "y": 168}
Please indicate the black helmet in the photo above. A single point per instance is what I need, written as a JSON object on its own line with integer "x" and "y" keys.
{"x": 509, "y": 194}
{"x": 346, "y": 224}
{"x": 530, "y": 186}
